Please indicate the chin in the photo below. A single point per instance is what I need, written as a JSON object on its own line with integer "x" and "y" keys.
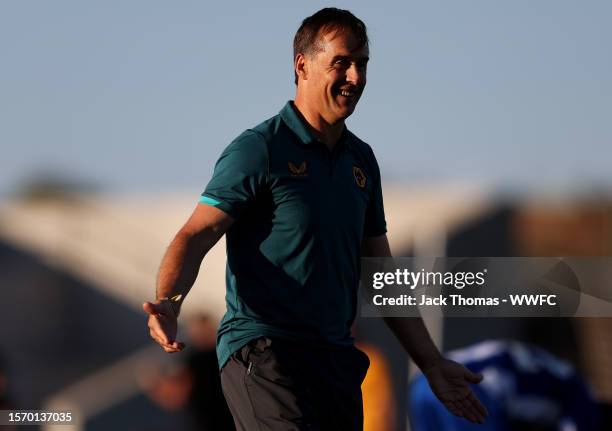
{"x": 346, "y": 112}
{"x": 340, "y": 112}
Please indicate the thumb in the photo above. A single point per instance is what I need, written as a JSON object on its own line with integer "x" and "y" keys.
{"x": 473, "y": 377}
{"x": 151, "y": 308}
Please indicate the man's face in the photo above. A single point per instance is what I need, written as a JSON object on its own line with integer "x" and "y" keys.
{"x": 336, "y": 76}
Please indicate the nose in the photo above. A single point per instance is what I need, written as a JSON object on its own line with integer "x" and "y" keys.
{"x": 355, "y": 75}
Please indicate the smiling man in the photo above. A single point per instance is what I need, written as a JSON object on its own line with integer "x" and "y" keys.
{"x": 299, "y": 199}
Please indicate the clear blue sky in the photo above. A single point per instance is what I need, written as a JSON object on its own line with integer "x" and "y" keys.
{"x": 143, "y": 95}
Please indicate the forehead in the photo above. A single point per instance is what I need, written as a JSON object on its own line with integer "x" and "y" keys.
{"x": 342, "y": 43}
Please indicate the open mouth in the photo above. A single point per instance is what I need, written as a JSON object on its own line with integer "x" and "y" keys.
{"x": 351, "y": 93}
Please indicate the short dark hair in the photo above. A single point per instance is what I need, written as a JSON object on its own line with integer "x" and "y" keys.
{"x": 307, "y": 38}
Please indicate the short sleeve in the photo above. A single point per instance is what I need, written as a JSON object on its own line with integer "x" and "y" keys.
{"x": 375, "y": 223}
{"x": 240, "y": 173}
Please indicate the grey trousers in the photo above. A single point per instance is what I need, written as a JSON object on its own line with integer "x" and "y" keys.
{"x": 287, "y": 385}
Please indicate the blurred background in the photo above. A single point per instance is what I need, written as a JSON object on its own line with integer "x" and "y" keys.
{"x": 490, "y": 121}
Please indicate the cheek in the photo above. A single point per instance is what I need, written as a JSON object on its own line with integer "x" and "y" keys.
{"x": 334, "y": 82}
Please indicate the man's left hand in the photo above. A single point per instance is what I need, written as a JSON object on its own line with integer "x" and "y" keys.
{"x": 450, "y": 382}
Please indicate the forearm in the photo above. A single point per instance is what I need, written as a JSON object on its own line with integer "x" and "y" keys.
{"x": 414, "y": 337}
{"x": 181, "y": 263}
{"x": 410, "y": 331}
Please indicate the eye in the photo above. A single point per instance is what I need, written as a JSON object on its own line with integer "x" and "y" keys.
{"x": 342, "y": 63}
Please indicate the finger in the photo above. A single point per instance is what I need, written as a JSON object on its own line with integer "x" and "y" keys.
{"x": 476, "y": 410}
{"x": 465, "y": 412}
{"x": 480, "y": 408}
{"x": 168, "y": 347}
{"x": 453, "y": 408}
{"x": 159, "y": 335}
{"x": 176, "y": 345}
{"x": 472, "y": 377}
{"x": 150, "y": 308}
{"x": 160, "y": 340}
{"x": 469, "y": 411}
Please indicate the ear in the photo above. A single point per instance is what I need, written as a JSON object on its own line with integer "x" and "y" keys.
{"x": 300, "y": 65}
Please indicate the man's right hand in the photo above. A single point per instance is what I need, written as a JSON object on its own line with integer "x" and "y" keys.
{"x": 163, "y": 325}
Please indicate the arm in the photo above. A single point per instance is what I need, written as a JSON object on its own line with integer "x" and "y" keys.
{"x": 179, "y": 269}
{"x": 448, "y": 380}
{"x": 410, "y": 331}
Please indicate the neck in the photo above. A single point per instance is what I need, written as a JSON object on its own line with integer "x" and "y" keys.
{"x": 324, "y": 131}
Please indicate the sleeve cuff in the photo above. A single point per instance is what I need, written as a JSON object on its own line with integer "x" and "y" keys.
{"x": 223, "y": 206}
{"x": 375, "y": 232}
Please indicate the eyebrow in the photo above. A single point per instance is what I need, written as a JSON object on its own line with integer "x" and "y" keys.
{"x": 365, "y": 58}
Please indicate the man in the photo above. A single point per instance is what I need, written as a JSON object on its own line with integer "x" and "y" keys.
{"x": 300, "y": 200}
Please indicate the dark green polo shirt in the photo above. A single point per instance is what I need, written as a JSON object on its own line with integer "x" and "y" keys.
{"x": 293, "y": 252}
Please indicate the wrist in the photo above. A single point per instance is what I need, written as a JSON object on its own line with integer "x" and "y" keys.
{"x": 173, "y": 302}
{"x": 431, "y": 363}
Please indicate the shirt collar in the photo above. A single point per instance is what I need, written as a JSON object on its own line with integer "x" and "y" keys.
{"x": 298, "y": 125}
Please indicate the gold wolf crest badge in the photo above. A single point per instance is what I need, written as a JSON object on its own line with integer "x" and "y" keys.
{"x": 300, "y": 171}
{"x": 360, "y": 177}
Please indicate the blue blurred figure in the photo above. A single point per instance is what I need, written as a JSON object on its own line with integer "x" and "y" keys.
{"x": 524, "y": 388}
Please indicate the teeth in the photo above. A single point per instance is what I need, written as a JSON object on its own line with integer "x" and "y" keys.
{"x": 347, "y": 93}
